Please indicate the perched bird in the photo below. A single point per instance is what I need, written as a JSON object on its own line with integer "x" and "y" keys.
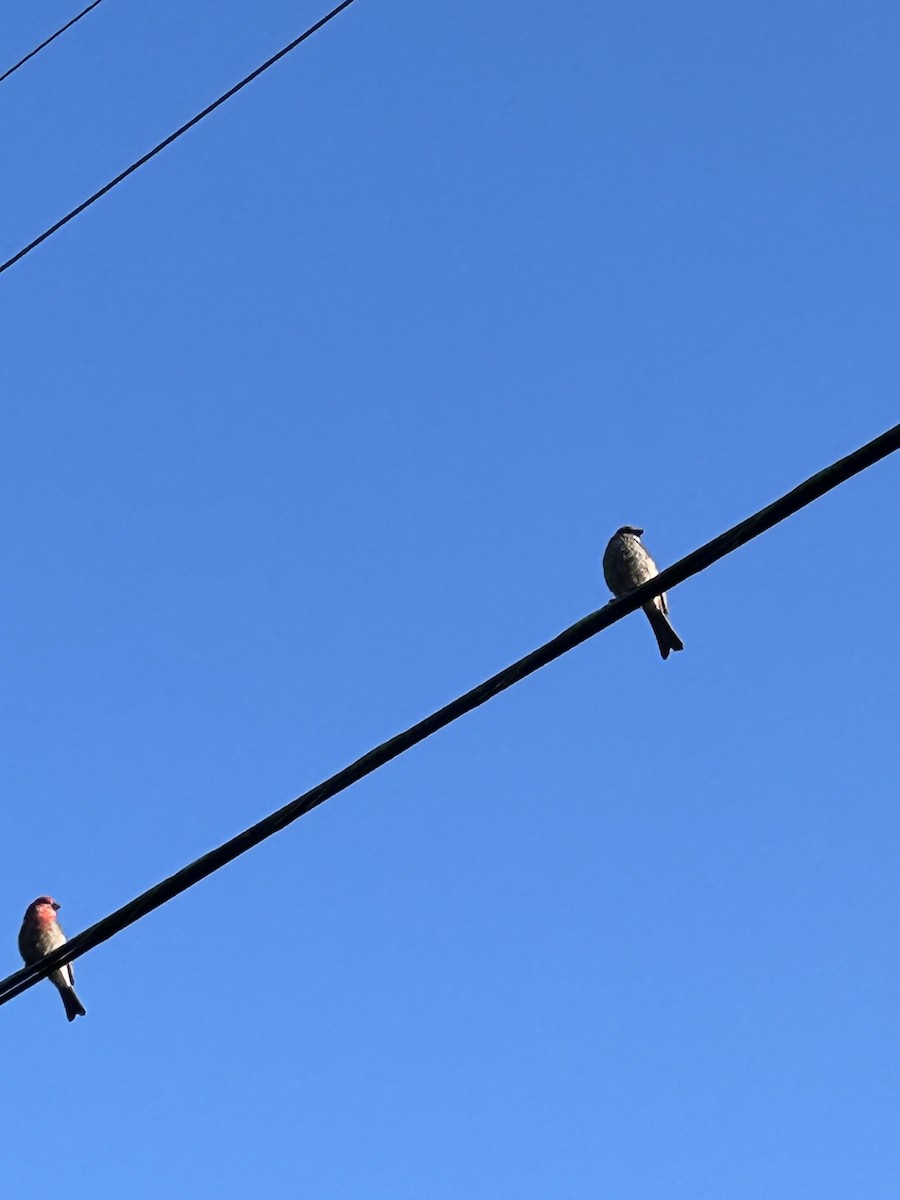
{"x": 40, "y": 933}
{"x": 626, "y": 565}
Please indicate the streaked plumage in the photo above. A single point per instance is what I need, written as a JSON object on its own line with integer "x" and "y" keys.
{"x": 626, "y": 565}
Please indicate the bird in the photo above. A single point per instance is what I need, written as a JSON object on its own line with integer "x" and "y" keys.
{"x": 626, "y": 565}
{"x": 40, "y": 933}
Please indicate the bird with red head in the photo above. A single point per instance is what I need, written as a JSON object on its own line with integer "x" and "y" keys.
{"x": 40, "y": 933}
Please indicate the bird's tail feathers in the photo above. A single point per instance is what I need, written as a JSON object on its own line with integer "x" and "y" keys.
{"x": 74, "y": 1007}
{"x": 666, "y": 637}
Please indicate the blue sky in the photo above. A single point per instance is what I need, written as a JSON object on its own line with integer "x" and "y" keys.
{"x": 327, "y": 414}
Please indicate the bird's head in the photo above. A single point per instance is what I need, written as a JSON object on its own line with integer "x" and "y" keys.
{"x": 632, "y": 529}
{"x": 43, "y": 909}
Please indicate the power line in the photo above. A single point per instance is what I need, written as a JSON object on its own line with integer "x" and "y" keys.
{"x": 726, "y": 543}
{"x": 52, "y": 38}
{"x": 145, "y": 158}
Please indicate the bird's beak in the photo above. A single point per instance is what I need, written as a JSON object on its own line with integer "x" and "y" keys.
{"x": 55, "y": 906}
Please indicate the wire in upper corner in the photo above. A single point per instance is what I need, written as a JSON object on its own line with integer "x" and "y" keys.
{"x": 145, "y": 158}
{"x": 46, "y": 42}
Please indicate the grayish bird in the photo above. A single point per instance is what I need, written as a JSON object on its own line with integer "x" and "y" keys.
{"x": 626, "y": 565}
{"x": 40, "y": 933}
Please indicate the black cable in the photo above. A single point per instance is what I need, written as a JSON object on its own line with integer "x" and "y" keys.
{"x": 52, "y": 38}
{"x": 177, "y": 134}
{"x": 811, "y": 489}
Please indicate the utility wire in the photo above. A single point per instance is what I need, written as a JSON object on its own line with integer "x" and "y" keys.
{"x": 145, "y": 158}
{"x": 52, "y": 38}
{"x": 726, "y": 543}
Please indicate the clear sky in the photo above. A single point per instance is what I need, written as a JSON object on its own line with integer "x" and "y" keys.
{"x": 327, "y": 414}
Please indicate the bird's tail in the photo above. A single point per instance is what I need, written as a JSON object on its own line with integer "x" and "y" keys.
{"x": 74, "y": 1007}
{"x": 666, "y": 637}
